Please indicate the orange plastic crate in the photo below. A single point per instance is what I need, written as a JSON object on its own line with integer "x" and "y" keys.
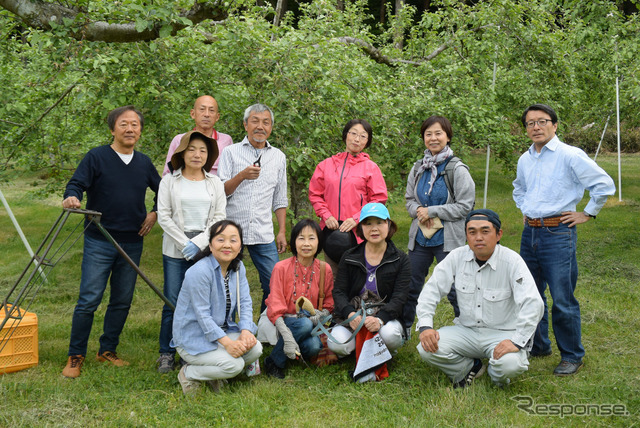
{"x": 20, "y": 347}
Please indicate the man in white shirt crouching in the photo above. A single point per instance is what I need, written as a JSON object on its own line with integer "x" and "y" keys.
{"x": 500, "y": 308}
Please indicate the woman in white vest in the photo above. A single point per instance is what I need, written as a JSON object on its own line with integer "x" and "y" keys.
{"x": 190, "y": 201}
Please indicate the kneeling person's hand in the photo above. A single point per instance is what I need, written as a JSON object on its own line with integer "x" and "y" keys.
{"x": 429, "y": 340}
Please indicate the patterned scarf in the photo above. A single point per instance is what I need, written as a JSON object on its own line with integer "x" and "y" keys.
{"x": 431, "y": 162}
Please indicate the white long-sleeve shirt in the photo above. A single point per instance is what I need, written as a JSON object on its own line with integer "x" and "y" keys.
{"x": 501, "y": 294}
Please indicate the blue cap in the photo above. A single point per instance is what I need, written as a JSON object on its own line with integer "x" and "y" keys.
{"x": 484, "y": 214}
{"x": 374, "y": 209}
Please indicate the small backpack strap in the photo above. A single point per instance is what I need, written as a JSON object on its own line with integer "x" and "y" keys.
{"x": 448, "y": 174}
{"x": 416, "y": 166}
{"x": 323, "y": 269}
{"x": 238, "y": 292}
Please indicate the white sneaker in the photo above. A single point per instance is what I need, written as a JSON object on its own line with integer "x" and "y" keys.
{"x": 371, "y": 377}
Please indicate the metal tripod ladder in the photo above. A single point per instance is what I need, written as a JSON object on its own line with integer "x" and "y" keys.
{"x": 45, "y": 258}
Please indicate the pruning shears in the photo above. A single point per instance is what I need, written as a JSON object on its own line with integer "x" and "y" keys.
{"x": 299, "y": 357}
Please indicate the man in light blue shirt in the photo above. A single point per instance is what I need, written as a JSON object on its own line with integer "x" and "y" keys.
{"x": 551, "y": 180}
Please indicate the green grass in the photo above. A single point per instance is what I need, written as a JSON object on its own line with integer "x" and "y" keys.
{"x": 414, "y": 395}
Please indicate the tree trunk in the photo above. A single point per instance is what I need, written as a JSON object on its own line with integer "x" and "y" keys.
{"x": 281, "y": 8}
{"x": 399, "y": 33}
{"x": 45, "y": 15}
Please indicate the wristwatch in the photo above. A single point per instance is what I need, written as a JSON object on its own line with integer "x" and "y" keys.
{"x": 590, "y": 215}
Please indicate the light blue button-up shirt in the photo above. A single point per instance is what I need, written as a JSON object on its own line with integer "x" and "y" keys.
{"x": 202, "y": 305}
{"x": 554, "y": 180}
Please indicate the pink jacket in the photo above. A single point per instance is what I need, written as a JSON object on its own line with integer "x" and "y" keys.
{"x": 342, "y": 184}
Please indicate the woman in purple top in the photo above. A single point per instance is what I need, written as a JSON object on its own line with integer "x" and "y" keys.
{"x": 378, "y": 266}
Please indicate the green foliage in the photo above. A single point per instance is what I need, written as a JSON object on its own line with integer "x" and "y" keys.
{"x": 562, "y": 52}
{"x": 588, "y": 138}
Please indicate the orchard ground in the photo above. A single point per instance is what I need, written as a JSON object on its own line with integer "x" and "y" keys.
{"x": 604, "y": 393}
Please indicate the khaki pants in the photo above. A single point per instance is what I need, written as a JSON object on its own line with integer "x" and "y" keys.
{"x": 218, "y": 364}
{"x": 459, "y": 346}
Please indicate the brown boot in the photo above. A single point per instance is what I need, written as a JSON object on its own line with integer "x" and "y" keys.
{"x": 112, "y": 358}
{"x": 189, "y": 387}
{"x": 74, "y": 364}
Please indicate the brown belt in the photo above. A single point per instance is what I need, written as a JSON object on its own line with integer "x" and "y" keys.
{"x": 544, "y": 222}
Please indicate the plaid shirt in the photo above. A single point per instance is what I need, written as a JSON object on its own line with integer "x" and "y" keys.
{"x": 253, "y": 201}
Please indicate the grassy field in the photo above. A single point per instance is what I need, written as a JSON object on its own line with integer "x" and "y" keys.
{"x": 414, "y": 394}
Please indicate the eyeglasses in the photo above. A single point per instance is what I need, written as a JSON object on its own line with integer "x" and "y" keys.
{"x": 356, "y": 135}
{"x": 541, "y": 122}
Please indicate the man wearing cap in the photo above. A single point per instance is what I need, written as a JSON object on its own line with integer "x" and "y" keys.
{"x": 205, "y": 114}
{"x": 500, "y": 308}
{"x": 550, "y": 181}
{"x": 115, "y": 178}
{"x": 254, "y": 174}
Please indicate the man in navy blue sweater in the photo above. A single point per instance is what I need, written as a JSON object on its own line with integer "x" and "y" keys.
{"x": 115, "y": 178}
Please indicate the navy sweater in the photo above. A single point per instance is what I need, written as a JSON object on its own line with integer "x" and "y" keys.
{"x": 116, "y": 190}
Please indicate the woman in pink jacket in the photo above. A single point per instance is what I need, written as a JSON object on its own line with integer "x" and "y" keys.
{"x": 342, "y": 184}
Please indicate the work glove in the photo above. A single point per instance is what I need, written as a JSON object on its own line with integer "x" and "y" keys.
{"x": 291, "y": 348}
{"x": 190, "y": 250}
{"x": 319, "y": 316}
{"x": 304, "y": 304}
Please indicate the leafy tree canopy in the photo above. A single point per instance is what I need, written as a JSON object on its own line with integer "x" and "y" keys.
{"x": 64, "y": 65}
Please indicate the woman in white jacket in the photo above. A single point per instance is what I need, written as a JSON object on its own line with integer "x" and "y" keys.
{"x": 190, "y": 201}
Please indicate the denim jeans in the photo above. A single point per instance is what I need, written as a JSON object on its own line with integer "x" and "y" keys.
{"x": 550, "y": 254}
{"x": 301, "y": 330}
{"x": 264, "y": 258}
{"x": 174, "y": 270}
{"x": 421, "y": 259}
{"x": 100, "y": 261}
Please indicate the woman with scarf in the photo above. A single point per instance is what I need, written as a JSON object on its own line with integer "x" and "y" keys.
{"x": 438, "y": 212}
